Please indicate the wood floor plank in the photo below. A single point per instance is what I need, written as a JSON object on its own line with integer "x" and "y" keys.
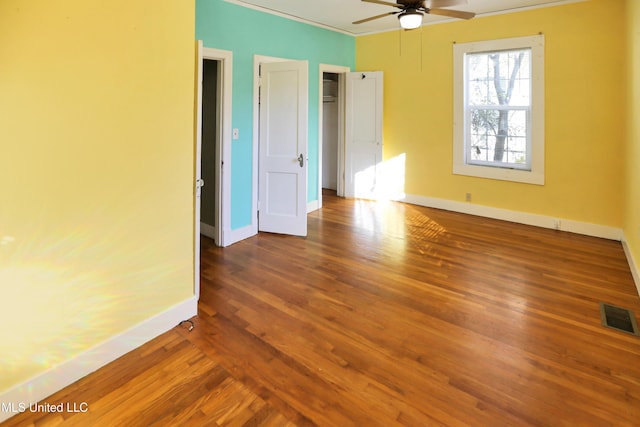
{"x": 469, "y": 289}
{"x": 386, "y": 314}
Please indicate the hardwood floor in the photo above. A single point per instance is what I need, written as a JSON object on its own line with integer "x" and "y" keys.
{"x": 386, "y": 314}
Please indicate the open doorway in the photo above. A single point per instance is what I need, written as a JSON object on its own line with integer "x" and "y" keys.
{"x": 214, "y": 144}
{"x": 211, "y": 139}
{"x": 330, "y": 131}
{"x": 217, "y": 114}
{"x": 331, "y": 125}
{"x": 210, "y": 165}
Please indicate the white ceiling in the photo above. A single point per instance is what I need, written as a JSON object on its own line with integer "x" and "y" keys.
{"x": 339, "y": 14}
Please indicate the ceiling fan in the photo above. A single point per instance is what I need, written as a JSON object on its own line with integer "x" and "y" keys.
{"x": 412, "y": 11}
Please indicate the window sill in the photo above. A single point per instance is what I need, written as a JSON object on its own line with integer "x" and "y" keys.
{"x": 503, "y": 174}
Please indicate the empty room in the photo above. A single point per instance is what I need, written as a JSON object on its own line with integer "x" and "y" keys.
{"x": 320, "y": 213}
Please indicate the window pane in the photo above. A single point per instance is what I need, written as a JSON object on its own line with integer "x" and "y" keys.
{"x": 499, "y": 136}
{"x": 499, "y": 78}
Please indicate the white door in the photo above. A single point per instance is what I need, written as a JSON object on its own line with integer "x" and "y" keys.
{"x": 282, "y": 194}
{"x": 363, "y": 139}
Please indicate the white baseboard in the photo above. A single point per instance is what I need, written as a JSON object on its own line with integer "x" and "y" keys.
{"x": 632, "y": 265}
{"x": 57, "y": 378}
{"x": 313, "y": 206}
{"x": 579, "y": 227}
{"x": 208, "y": 230}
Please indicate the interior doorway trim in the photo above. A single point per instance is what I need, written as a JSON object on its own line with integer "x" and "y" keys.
{"x": 223, "y": 152}
{"x": 341, "y": 71}
{"x": 223, "y": 149}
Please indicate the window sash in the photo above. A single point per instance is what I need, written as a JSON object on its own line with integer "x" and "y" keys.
{"x": 470, "y": 108}
{"x": 469, "y": 147}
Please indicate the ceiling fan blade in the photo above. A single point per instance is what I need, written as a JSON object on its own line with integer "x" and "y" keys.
{"x": 385, "y": 3}
{"x": 374, "y": 17}
{"x": 452, "y": 13}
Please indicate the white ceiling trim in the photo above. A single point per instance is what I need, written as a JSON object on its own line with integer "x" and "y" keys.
{"x": 440, "y": 20}
{"x": 290, "y": 17}
{"x": 524, "y": 8}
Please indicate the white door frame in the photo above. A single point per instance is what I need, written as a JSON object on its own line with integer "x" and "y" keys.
{"x": 257, "y": 60}
{"x": 223, "y": 152}
{"x": 341, "y": 71}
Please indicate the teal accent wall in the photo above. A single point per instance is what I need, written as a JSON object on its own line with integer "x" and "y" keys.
{"x": 248, "y": 32}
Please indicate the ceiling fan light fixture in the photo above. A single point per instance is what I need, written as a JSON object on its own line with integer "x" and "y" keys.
{"x": 410, "y": 19}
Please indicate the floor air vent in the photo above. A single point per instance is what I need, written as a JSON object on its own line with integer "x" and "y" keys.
{"x": 618, "y": 318}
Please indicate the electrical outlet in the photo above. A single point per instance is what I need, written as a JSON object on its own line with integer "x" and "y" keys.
{"x": 467, "y": 197}
{"x": 235, "y": 133}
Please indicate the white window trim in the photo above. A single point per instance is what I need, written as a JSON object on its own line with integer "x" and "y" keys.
{"x": 460, "y": 167}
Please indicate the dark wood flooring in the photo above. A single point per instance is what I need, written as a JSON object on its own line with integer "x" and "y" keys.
{"x": 386, "y": 314}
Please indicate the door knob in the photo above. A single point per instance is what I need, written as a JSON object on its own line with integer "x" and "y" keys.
{"x": 301, "y": 160}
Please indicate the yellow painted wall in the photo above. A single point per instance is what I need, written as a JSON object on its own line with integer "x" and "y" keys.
{"x": 585, "y": 108}
{"x": 632, "y": 154}
{"x": 96, "y": 173}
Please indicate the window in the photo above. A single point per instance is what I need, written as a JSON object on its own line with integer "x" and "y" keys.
{"x": 499, "y": 109}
